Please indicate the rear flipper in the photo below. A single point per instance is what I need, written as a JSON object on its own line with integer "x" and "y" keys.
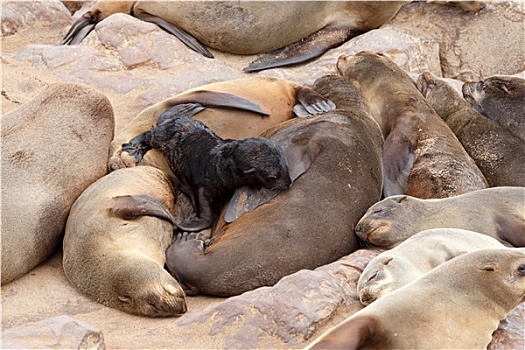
{"x": 138, "y": 146}
{"x": 183, "y": 36}
{"x": 310, "y": 103}
{"x": 306, "y": 49}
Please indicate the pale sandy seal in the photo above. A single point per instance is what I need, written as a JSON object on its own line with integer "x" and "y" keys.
{"x": 301, "y": 30}
{"x": 115, "y": 242}
{"x": 457, "y": 305}
{"x": 337, "y": 155}
{"x": 500, "y": 98}
{"x": 498, "y": 212}
{"x": 421, "y": 155}
{"x": 236, "y": 109}
{"x": 499, "y": 154}
{"x": 415, "y": 257}
{"x": 53, "y": 147}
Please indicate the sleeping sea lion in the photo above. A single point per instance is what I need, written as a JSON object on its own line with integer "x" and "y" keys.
{"x": 497, "y": 152}
{"x": 207, "y": 167}
{"x": 498, "y": 212}
{"x": 115, "y": 242}
{"x": 457, "y": 305}
{"x": 502, "y": 99}
{"x": 302, "y": 31}
{"x": 42, "y": 175}
{"x": 247, "y": 108}
{"x": 415, "y": 257}
{"x": 421, "y": 155}
{"x": 336, "y": 161}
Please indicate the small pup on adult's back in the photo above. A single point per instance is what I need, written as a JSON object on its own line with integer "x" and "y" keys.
{"x": 207, "y": 166}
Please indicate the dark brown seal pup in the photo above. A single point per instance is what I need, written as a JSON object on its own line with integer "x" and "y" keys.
{"x": 458, "y": 305}
{"x": 498, "y": 212}
{"x": 207, "y": 167}
{"x": 115, "y": 242}
{"x": 236, "y": 109}
{"x": 339, "y": 153}
{"x": 415, "y": 257}
{"x": 421, "y": 156}
{"x": 301, "y": 31}
{"x": 497, "y": 152}
{"x": 53, "y": 147}
{"x": 502, "y": 99}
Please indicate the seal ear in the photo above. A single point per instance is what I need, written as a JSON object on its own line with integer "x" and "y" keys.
{"x": 490, "y": 267}
{"x": 399, "y": 198}
{"x": 248, "y": 171}
{"x": 132, "y": 207}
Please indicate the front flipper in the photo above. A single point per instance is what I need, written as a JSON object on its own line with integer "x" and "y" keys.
{"x": 218, "y": 99}
{"x": 183, "y": 36}
{"x": 203, "y": 217}
{"x": 310, "y": 103}
{"x": 398, "y": 158}
{"x": 80, "y": 29}
{"x": 306, "y": 49}
{"x": 138, "y": 146}
{"x": 246, "y": 198}
{"x": 132, "y": 207}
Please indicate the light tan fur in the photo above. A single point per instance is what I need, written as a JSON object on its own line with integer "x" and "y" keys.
{"x": 117, "y": 258}
{"x": 458, "y": 305}
{"x": 52, "y": 149}
{"x": 415, "y": 257}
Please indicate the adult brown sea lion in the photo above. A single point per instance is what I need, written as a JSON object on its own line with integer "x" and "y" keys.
{"x": 498, "y": 212}
{"x": 41, "y": 172}
{"x": 500, "y": 98}
{"x": 249, "y": 106}
{"x": 421, "y": 155}
{"x": 302, "y": 30}
{"x": 339, "y": 156}
{"x": 497, "y": 152}
{"x": 458, "y": 305}
{"x": 415, "y": 257}
{"x": 208, "y": 167}
{"x": 115, "y": 242}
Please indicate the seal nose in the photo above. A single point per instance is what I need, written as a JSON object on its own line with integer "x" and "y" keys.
{"x": 364, "y": 299}
{"x": 359, "y": 228}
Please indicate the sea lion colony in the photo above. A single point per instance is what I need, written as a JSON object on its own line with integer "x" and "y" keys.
{"x": 399, "y": 156}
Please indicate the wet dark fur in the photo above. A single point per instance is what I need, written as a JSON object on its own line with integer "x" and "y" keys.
{"x": 209, "y": 167}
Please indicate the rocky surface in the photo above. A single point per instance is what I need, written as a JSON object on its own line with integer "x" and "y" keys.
{"x": 135, "y": 65}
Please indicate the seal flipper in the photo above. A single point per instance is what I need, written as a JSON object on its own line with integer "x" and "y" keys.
{"x": 247, "y": 198}
{"x": 80, "y": 29}
{"x": 398, "y": 159}
{"x": 132, "y": 207}
{"x": 350, "y": 334}
{"x": 310, "y": 103}
{"x": 218, "y": 99}
{"x": 204, "y": 213}
{"x": 306, "y": 49}
{"x": 183, "y": 36}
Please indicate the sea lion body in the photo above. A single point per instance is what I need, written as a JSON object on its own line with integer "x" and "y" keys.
{"x": 302, "y": 31}
{"x": 42, "y": 175}
{"x": 415, "y": 257}
{"x": 502, "y": 99}
{"x": 208, "y": 167}
{"x": 499, "y": 154}
{"x": 421, "y": 155}
{"x": 457, "y": 305}
{"x": 498, "y": 212}
{"x": 304, "y": 227}
{"x": 274, "y": 96}
{"x": 115, "y": 242}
